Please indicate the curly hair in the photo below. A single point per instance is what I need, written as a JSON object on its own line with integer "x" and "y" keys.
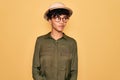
{"x": 57, "y": 12}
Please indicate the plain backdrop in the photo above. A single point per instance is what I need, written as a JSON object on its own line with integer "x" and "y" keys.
{"x": 95, "y": 24}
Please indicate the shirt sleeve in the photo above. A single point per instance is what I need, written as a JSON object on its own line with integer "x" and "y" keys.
{"x": 36, "y": 66}
{"x": 74, "y": 63}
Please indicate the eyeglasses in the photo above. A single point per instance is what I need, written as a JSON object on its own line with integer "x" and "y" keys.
{"x": 58, "y": 19}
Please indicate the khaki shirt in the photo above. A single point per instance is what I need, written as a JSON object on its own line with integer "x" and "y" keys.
{"x": 55, "y": 59}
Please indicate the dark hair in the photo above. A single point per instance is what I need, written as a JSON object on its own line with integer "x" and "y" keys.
{"x": 58, "y": 12}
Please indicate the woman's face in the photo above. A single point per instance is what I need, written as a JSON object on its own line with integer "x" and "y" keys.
{"x": 58, "y": 22}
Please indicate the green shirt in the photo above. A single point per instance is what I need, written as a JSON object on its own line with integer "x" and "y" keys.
{"x": 55, "y": 59}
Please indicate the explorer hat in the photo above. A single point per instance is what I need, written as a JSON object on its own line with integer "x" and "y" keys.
{"x": 57, "y": 5}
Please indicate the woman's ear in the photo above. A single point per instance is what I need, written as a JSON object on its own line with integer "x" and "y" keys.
{"x": 50, "y": 21}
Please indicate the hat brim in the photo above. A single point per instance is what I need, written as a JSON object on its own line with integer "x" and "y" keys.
{"x": 45, "y": 14}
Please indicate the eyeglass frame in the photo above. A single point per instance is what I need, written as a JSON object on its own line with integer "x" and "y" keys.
{"x": 58, "y": 19}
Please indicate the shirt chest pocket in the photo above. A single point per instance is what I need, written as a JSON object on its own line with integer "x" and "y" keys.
{"x": 47, "y": 51}
{"x": 65, "y": 51}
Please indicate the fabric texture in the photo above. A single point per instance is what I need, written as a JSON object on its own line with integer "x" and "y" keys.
{"x": 55, "y": 59}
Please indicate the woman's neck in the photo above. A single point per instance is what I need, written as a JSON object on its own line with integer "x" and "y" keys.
{"x": 56, "y": 35}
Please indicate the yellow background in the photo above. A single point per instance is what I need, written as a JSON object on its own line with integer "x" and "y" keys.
{"x": 95, "y": 24}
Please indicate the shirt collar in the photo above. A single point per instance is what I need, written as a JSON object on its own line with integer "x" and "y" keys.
{"x": 48, "y": 36}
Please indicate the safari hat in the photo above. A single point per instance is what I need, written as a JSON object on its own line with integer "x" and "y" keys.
{"x": 57, "y": 5}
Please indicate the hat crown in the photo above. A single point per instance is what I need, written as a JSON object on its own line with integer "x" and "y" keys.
{"x": 57, "y": 5}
